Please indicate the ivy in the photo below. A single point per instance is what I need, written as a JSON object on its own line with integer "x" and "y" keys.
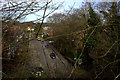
{"x": 91, "y": 42}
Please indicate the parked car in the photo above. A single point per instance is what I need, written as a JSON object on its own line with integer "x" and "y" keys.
{"x": 52, "y": 55}
{"x": 46, "y": 45}
{"x": 37, "y": 71}
{"x": 50, "y": 42}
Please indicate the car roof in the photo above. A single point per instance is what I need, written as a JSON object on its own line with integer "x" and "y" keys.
{"x": 38, "y": 68}
{"x": 52, "y": 53}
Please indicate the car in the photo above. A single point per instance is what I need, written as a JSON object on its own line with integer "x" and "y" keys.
{"x": 37, "y": 71}
{"x": 46, "y": 45}
{"x": 52, "y": 55}
{"x": 38, "y": 38}
{"x": 50, "y": 42}
{"x": 42, "y": 41}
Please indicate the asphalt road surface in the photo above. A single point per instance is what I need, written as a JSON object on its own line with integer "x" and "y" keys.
{"x": 54, "y": 68}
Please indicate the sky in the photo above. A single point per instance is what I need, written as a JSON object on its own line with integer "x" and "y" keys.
{"x": 66, "y": 6}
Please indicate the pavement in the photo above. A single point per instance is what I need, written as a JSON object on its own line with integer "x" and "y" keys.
{"x": 40, "y": 56}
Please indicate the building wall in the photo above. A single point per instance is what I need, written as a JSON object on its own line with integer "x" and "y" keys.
{"x": 48, "y": 30}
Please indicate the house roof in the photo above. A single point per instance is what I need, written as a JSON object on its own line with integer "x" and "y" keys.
{"x": 16, "y": 28}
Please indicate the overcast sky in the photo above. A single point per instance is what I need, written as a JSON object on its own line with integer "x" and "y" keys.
{"x": 66, "y": 6}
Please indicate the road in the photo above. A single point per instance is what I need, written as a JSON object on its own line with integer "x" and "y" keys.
{"x": 53, "y": 68}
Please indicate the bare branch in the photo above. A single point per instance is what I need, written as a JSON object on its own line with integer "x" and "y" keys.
{"x": 24, "y": 10}
{"x": 117, "y": 76}
{"x": 106, "y": 67}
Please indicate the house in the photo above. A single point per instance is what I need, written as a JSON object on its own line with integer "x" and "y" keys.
{"x": 14, "y": 35}
{"x": 31, "y": 28}
{"x": 47, "y": 31}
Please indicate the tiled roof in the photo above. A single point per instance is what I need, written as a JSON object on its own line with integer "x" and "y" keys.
{"x": 16, "y": 28}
